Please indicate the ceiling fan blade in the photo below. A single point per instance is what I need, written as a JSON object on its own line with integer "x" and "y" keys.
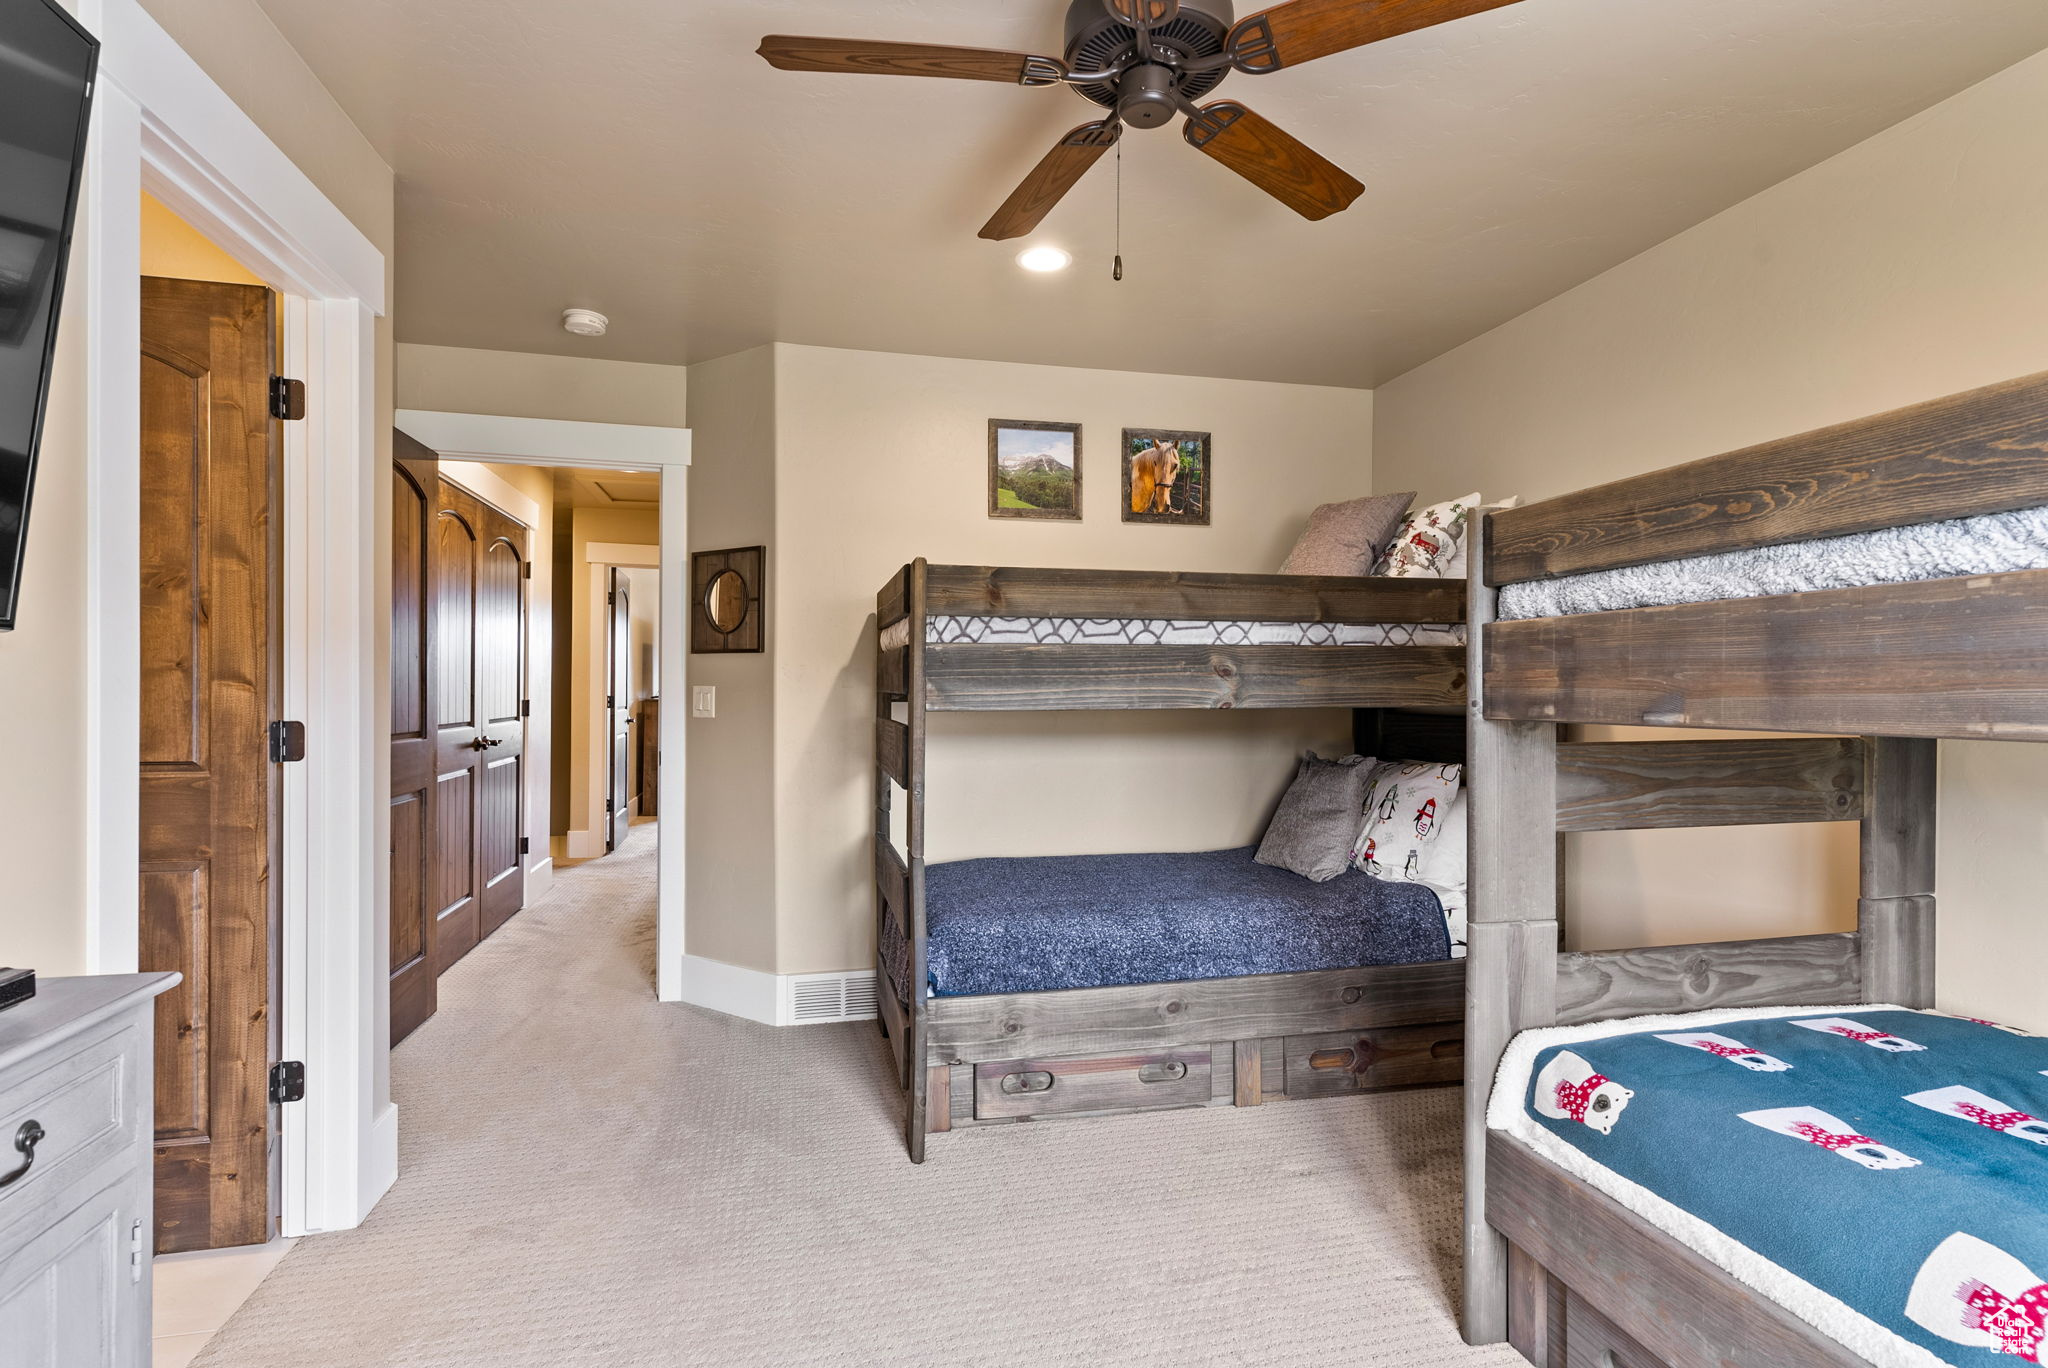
{"x": 1273, "y": 159}
{"x": 787, "y": 53}
{"x": 1303, "y": 30}
{"x": 1058, "y": 172}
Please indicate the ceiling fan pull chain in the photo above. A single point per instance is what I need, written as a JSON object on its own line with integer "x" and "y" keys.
{"x": 1118, "y": 273}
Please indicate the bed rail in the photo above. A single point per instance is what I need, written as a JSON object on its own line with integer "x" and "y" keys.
{"x": 1962, "y": 658}
{"x": 1012, "y": 591}
{"x": 1096, "y": 676}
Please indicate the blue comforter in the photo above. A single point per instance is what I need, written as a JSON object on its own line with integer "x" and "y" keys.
{"x": 1892, "y": 1162}
{"x": 1084, "y": 921}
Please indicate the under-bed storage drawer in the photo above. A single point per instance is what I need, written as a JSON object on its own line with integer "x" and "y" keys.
{"x": 1593, "y": 1341}
{"x": 1353, "y": 1061}
{"x": 1055, "y": 1087}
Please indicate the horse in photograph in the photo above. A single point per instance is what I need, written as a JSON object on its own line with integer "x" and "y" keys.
{"x": 1153, "y": 472}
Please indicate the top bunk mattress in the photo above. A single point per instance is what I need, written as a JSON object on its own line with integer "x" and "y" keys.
{"x": 1989, "y": 544}
{"x": 947, "y": 630}
{"x": 1091, "y": 921}
{"x": 1899, "y": 1153}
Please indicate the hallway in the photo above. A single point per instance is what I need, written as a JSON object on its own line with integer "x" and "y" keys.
{"x": 590, "y": 1177}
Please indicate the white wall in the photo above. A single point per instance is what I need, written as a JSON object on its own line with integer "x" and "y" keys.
{"x": 881, "y": 458}
{"x": 1909, "y": 267}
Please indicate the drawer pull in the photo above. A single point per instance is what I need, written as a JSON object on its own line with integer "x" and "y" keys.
{"x": 1332, "y": 1059}
{"x": 26, "y": 1139}
{"x": 1172, "y": 1071}
{"x": 1036, "y": 1082}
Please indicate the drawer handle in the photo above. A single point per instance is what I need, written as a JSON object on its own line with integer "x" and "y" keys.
{"x": 1332, "y": 1059}
{"x": 26, "y": 1139}
{"x": 1037, "y": 1082}
{"x": 1171, "y": 1071}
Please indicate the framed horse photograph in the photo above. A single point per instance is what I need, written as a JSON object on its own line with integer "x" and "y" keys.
{"x": 1169, "y": 477}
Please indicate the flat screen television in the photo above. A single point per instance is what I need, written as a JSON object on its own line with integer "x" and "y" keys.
{"x": 47, "y": 64}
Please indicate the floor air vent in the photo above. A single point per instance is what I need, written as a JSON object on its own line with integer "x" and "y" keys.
{"x": 817, "y": 998}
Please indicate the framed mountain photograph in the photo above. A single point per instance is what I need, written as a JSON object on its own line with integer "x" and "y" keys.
{"x": 1034, "y": 470}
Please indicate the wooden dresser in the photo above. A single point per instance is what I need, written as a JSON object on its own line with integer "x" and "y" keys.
{"x": 76, "y": 1123}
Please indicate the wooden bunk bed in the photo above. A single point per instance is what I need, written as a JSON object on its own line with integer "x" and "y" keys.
{"x": 1000, "y": 1058}
{"x": 1567, "y": 1273}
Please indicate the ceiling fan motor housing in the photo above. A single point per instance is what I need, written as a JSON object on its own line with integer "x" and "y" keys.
{"x": 1144, "y": 98}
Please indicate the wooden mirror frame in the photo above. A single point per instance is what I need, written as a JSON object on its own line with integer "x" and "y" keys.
{"x": 750, "y": 564}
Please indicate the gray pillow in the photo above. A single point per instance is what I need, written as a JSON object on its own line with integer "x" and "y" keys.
{"x": 1319, "y": 817}
{"x": 1346, "y": 538}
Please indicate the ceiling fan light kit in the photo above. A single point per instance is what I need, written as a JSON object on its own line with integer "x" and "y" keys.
{"x": 1147, "y": 62}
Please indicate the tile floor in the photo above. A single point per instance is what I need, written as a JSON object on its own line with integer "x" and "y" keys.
{"x": 196, "y": 1293}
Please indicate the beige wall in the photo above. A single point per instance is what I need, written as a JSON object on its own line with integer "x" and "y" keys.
{"x": 881, "y": 458}
{"x": 42, "y": 707}
{"x": 1908, "y": 267}
{"x": 524, "y": 385}
{"x": 731, "y": 780}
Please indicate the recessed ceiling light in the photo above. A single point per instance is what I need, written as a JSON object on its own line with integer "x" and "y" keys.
{"x": 1045, "y": 259}
{"x": 585, "y": 322}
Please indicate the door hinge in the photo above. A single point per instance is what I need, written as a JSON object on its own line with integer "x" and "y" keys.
{"x": 608, "y": 804}
{"x": 135, "y": 1254}
{"x": 287, "y": 399}
{"x": 526, "y": 707}
{"x": 526, "y": 845}
{"x": 526, "y": 569}
{"x": 288, "y": 1081}
{"x": 611, "y": 702}
{"x": 287, "y": 742}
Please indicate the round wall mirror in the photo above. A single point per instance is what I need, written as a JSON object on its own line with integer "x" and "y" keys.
{"x": 725, "y": 601}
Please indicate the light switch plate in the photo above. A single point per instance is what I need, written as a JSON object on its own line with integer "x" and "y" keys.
{"x": 703, "y": 701}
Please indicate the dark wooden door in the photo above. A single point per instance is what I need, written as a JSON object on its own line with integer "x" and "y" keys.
{"x": 619, "y": 706}
{"x": 209, "y": 793}
{"x": 415, "y": 489}
{"x": 476, "y": 640}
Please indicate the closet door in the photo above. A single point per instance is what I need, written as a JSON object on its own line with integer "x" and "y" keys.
{"x": 415, "y": 487}
{"x": 501, "y": 707}
{"x": 455, "y": 552}
{"x": 476, "y": 643}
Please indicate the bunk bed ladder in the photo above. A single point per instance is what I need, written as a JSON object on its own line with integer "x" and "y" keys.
{"x": 899, "y": 880}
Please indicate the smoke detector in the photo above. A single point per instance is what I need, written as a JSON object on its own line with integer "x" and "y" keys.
{"x": 585, "y": 322}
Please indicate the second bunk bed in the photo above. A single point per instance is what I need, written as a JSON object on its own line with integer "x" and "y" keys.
{"x": 1767, "y": 1152}
{"x": 1190, "y": 980}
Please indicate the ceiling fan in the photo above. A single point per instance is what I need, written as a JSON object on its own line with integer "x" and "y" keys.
{"x": 1146, "y": 62}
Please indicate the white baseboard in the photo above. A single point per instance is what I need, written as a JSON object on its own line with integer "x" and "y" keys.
{"x": 540, "y": 878}
{"x": 778, "y": 999}
{"x": 382, "y": 1161}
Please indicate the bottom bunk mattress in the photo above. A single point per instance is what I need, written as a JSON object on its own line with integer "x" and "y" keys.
{"x": 1096, "y": 921}
{"x": 1880, "y": 1173}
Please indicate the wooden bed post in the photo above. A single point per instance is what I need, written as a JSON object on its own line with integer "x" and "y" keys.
{"x": 1511, "y": 965}
{"x": 1895, "y": 902}
{"x": 917, "y": 1096}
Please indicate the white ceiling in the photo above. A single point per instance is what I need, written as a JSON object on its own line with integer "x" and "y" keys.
{"x": 635, "y": 157}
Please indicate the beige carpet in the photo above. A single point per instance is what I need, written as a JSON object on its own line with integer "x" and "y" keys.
{"x": 590, "y": 1177}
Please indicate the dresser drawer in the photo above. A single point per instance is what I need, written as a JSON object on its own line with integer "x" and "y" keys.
{"x": 1356, "y": 1061}
{"x": 1053, "y": 1087}
{"x": 78, "y": 1109}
